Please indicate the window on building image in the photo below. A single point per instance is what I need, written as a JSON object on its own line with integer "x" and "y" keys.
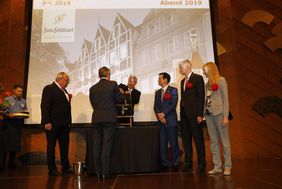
{"x": 189, "y": 37}
{"x": 85, "y": 71}
{"x": 156, "y": 52}
{"x": 81, "y": 75}
{"x": 113, "y": 58}
{"x": 116, "y": 30}
{"x": 144, "y": 58}
{"x": 170, "y": 19}
{"x": 92, "y": 56}
{"x": 172, "y": 45}
{"x": 124, "y": 79}
{"x": 103, "y": 61}
{"x": 97, "y": 43}
{"x": 93, "y": 70}
{"x": 84, "y": 53}
{"x": 155, "y": 83}
{"x": 123, "y": 51}
{"x": 154, "y": 27}
{"x": 145, "y": 85}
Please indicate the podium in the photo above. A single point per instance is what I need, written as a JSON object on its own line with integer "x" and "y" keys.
{"x": 124, "y": 115}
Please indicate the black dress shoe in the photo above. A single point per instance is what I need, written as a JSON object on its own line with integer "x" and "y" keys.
{"x": 164, "y": 168}
{"x": 201, "y": 169}
{"x": 106, "y": 176}
{"x": 175, "y": 168}
{"x": 188, "y": 169}
{"x": 12, "y": 165}
{"x": 67, "y": 170}
{"x": 54, "y": 173}
{"x": 98, "y": 175}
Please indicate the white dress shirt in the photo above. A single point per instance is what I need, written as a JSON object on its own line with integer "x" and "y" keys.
{"x": 66, "y": 94}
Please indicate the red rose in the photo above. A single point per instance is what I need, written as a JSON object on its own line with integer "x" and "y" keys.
{"x": 7, "y": 93}
{"x": 167, "y": 96}
{"x": 214, "y": 87}
{"x": 189, "y": 85}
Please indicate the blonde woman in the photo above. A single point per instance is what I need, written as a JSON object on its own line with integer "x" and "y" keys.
{"x": 216, "y": 115}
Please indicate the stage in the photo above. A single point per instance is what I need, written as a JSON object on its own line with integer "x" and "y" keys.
{"x": 247, "y": 174}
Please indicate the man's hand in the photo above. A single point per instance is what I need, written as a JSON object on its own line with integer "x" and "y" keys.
{"x": 160, "y": 116}
{"x": 121, "y": 91}
{"x": 199, "y": 119}
{"x": 163, "y": 121}
{"x": 225, "y": 121}
{"x": 48, "y": 126}
{"x": 11, "y": 115}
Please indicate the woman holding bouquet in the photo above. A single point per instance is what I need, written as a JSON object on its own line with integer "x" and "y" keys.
{"x": 216, "y": 115}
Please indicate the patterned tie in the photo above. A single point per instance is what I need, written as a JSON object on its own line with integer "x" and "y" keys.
{"x": 162, "y": 94}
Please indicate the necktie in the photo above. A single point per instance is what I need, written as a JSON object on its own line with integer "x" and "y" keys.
{"x": 185, "y": 83}
{"x": 66, "y": 94}
{"x": 162, "y": 94}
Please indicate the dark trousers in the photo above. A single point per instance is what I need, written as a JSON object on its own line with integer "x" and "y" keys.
{"x": 103, "y": 140}
{"x": 2, "y": 152}
{"x": 191, "y": 129}
{"x": 60, "y": 134}
{"x": 169, "y": 135}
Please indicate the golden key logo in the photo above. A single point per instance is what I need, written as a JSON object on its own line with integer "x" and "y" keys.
{"x": 59, "y": 18}
{"x": 256, "y": 16}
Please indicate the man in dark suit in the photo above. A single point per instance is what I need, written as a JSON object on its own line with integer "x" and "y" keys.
{"x": 103, "y": 97}
{"x": 130, "y": 90}
{"x": 56, "y": 120}
{"x": 165, "y": 104}
{"x": 191, "y": 112}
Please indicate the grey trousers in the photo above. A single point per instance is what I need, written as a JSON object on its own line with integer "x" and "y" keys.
{"x": 219, "y": 133}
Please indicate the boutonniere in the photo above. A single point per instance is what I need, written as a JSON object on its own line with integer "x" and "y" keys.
{"x": 214, "y": 87}
{"x": 167, "y": 96}
{"x": 7, "y": 93}
{"x": 189, "y": 85}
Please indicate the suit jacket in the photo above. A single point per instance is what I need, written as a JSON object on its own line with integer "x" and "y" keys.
{"x": 103, "y": 97}
{"x": 193, "y": 99}
{"x": 219, "y": 99}
{"x": 55, "y": 107}
{"x": 135, "y": 94}
{"x": 167, "y": 106}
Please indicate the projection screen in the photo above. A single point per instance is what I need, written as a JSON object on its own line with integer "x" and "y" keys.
{"x": 136, "y": 37}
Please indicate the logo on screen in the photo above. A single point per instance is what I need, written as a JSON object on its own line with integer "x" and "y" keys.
{"x": 59, "y": 18}
{"x": 56, "y": 2}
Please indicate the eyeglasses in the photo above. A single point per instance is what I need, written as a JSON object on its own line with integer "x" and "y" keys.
{"x": 67, "y": 80}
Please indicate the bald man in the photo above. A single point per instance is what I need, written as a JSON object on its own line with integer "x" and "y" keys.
{"x": 56, "y": 121}
{"x": 130, "y": 90}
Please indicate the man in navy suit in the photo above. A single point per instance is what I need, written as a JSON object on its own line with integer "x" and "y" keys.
{"x": 165, "y": 104}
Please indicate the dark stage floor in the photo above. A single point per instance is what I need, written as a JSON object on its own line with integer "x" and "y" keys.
{"x": 247, "y": 174}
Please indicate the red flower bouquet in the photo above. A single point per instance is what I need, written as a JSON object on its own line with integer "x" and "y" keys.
{"x": 167, "y": 96}
{"x": 4, "y": 104}
{"x": 214, "y": 87}
{"x": 7, "y": 93}
{"x": 189, "y": 85}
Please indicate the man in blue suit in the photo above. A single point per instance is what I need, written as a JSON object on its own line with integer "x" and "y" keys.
{"x": 165, "y": 104}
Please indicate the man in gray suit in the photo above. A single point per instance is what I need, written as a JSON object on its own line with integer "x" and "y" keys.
{"x": 103, "y": 97}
